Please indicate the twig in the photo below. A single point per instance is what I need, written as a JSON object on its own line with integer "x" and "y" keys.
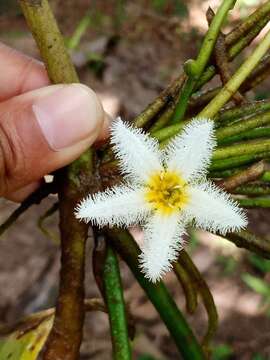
{"x": 251, "y": 173}
{"x": 247, "y": 24}
{"x": 243, "y": 125}
{"x": 251, "y": 242}
{"x": 221, "y": 58}
{"x": 237, "y": 79}
{"x": 35, "y": 198}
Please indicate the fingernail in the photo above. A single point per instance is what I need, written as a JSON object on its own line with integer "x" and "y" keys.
{"x": 68, "y": 115}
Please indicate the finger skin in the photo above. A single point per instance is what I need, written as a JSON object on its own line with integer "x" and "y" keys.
{"x": 19, "y": 73}
{"x": 25, "y": 155}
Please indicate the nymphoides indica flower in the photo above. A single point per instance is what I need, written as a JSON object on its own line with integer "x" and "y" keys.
{"x": 164, "y": 191}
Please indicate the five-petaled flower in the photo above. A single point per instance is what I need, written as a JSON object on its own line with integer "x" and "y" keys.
{"x": 165, "y": 191}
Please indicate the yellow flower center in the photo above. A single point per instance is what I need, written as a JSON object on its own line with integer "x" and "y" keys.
{"x": 166, "y": 192}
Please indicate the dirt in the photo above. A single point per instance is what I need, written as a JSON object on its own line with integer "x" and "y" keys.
{"x": 150, "y": 52}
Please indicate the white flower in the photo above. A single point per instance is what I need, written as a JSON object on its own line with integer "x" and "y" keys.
{"x": 164, "y": 191}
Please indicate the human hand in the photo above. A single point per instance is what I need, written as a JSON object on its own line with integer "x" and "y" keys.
{"x": 42, "y": 127}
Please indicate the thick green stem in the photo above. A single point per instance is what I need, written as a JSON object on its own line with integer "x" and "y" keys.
{"x": 237, "y": 79}
{"x": 115, "y": 303}
{"x": 159, "y": 296}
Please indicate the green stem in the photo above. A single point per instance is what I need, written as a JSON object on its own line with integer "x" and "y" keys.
{"x": 246, "y": 135}
{"x": 246, "y": 40}
{"x": 235, "y": 162}
{"x": 243, "y": 125}
{"x": 247, "y": 148}
{"x": 237, "y": 48}
{"x": 228, "y": 116}
{"x": 159, "y": 296}
{"x": 262, "y": 202}
{"x": 195, "y": 68}
{"x": 237, "y": 79}
{"x": 182, "y": 104}
{"x": 115, "y": 303}
{"x": 211, "y": 36}
{"x": 253, "y": 189}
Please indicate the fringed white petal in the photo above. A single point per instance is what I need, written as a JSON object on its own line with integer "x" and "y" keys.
{"x": 137, "y": 152}
{"x": 214, "y": 210}
{"x": 118, "y": 206}
{"x": 190, "y": 152}
{"x": 162, "y": 243}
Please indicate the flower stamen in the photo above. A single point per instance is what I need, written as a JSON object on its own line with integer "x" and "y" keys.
{"x": 166, "y": 192}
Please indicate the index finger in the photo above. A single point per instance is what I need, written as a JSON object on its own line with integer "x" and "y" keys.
{"x": 19, "y": 73}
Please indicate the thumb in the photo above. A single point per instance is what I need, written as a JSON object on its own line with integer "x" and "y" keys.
{"x": 45, "y": 129}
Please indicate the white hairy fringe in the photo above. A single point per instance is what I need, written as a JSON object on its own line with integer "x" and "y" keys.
{"x": 136, "y": 151}
{"x": 190, "y": 152}
{"x": 214, "y": 210}
{"x": 162, "y": 243}
{"x": 120, "y": 206}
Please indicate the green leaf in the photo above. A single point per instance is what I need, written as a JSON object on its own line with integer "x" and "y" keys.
{"x": 259, "y": 263}
{"x": 258, "y": 285}
{"x": 222, "y": 352}
{"x": 27, "y": 340}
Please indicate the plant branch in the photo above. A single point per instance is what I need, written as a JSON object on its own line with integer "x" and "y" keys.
{"x": 237, "y": 79}
{"x": 35, "y": 198}
{"x": 195, "y": 68}
{"x": 113, "y": 292}
{"x": 251, "y": 173}
{"x": 251, "y": 242}
{"x": 73, "y": 182}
